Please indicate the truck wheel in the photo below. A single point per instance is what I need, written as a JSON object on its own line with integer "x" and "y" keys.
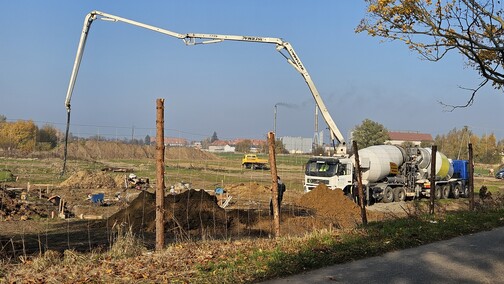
{"x": 465, "y": 191}
{"x": 445, "y": 191}
{"x": 456, "y": 191}
{"x": 399, "y": 194}
{"x": 437, "y": 193}
{"x": 388, "y": 195}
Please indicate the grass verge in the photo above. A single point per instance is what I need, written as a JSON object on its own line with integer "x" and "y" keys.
{"x": 245, "y": 261}
{"x": 323, "y": 248}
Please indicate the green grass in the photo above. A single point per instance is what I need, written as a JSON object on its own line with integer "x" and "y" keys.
{"x": 319, "y": 249}
{"x": 6, "y": 176}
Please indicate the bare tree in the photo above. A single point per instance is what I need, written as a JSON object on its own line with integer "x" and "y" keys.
{"x": 434, "y": 28}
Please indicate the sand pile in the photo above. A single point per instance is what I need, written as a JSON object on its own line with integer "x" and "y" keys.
{"x": 88, "y": 179}
{"x": 332, "y": 207}
{"x": 189, "y": 213}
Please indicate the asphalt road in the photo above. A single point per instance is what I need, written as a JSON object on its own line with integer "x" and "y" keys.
{"x": 476, "y": 258}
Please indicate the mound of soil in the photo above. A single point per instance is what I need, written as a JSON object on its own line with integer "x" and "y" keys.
{"x": 16, "y": 205}
{"x": 332, "y": 207}
{"x": 192, "y": 212}
{"x": 96, "y": 150}
{"x": 252, "y": 190}
{"x": 188, "y": 154}
{"x": 89, "y": 180}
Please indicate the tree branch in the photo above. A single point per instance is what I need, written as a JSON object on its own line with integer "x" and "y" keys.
{"x": 450, "y": 108}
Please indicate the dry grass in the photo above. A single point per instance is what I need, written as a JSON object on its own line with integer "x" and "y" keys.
{"x": 242, "y": 261}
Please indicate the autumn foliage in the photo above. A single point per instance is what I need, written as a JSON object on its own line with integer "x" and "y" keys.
{"x": 25, "y": 136}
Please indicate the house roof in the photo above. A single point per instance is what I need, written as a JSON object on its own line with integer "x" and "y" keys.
{"x": 219, "y": 143}
{"x": 409, "y": 136}
{"x": 255, "y": 142}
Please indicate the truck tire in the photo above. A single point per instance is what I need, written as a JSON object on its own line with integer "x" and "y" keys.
{"x": 388, "y": 194}
{"x": 399, "y": 194}
{"x": 465, "y": 191}
{"x": 437, "y": 193}
{"x": 456, "y": 191}
{"x": 445, "y": 191}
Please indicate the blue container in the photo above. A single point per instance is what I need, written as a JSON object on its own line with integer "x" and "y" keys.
{"x": 97, "y": 198}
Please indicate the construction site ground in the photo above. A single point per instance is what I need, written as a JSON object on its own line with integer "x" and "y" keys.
{"x": 32, "y": 219}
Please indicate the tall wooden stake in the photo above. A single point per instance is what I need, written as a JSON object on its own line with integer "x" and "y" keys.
{"x": 471, "y": 178}
{"x": 160, "y": 168}
{"x": 432, "y": 179}
{"x": 274, "y": 183}
{"x": 359, "y": 183}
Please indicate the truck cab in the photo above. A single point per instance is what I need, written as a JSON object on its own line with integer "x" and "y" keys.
{"x": 251, "y": 161}
{"x": 333, "y": 172}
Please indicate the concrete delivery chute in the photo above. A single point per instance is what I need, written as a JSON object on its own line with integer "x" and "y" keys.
{"x": 283, "y": 47}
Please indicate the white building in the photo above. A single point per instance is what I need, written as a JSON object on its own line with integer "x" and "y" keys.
{"x": 297, "y": 145}
{"x": 220, "y": 146}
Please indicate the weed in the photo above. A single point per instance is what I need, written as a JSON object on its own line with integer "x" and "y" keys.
{"x": 125, "y": 244}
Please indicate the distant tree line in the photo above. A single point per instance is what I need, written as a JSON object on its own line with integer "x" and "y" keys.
{"x": 486, "y": 149}
{"x": 26, "y": 136}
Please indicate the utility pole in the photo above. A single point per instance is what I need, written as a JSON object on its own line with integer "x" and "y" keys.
{"x": 316, "y": 137}
{"x": 132, "y": 133}
{"x": 274, "y": 119}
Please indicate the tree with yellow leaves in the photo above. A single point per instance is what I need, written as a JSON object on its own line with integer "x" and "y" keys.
{"x": 433, "y": 28}
{"x": 19, "y": 135}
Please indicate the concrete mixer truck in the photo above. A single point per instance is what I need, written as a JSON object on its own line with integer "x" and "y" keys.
{"x": 390, "y": 173}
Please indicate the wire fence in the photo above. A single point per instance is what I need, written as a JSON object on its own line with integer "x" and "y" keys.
{"x": 207, "y": 197}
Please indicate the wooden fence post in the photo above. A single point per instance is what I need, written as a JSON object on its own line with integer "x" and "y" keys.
{"x": 160, "y": 168}
{"x": 432, "y": 179}
{"x": 471, "y": 178}
{"x": 274, "y": 184}
{"x": 359, "y": 183}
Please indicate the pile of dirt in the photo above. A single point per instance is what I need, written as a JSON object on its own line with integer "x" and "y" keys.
{"x": 191, "y": 213}
{"x": 97, "y": 150}
{"x": 251, "y": 190}
{"x": 188, "y": 154}
{"x": 332, "y": 207}
{"x": 89, "y": 180}
{"x": 16, "y": 205}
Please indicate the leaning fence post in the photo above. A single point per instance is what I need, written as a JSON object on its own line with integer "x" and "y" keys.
{"x": 359, "y": 183}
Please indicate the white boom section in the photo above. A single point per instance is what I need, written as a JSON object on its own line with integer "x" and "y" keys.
{"x": 192, "y": 39}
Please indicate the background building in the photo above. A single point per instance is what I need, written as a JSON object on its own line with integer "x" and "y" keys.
{"x": 416, "y": 138}
{"x": 297, "y": 145}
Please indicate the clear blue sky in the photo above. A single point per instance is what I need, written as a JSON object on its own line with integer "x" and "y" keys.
{"x": 230, "y": 87}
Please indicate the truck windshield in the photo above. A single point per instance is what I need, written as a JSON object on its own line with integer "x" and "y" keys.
{"x": 321, "y": 169}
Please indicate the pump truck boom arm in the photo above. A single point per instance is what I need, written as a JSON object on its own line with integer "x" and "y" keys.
{"x": 198, "y": 38}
